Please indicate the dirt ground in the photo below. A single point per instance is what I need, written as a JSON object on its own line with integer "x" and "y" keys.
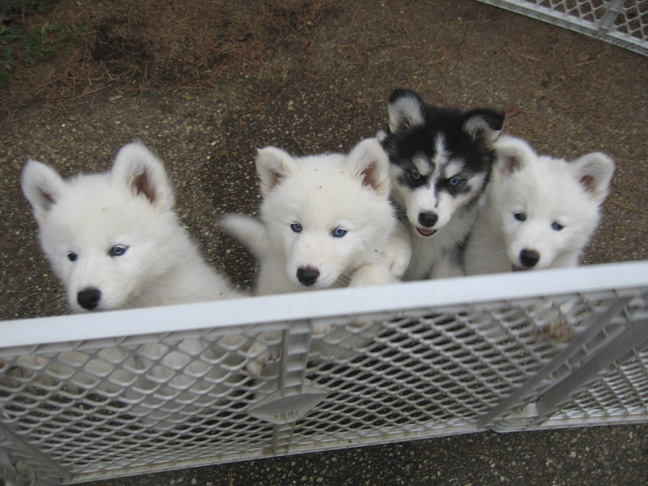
{"x": 314, "y": 77}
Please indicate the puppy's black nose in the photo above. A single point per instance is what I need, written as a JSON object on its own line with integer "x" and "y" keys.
{"x": 89, "y": 298}
{"x": 307, "y": 275}
{"x": 529, "y": 258}
{"x": 428, "y": 219}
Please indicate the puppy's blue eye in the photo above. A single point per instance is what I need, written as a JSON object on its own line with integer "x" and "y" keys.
{"x": 556, "y": 226}
{"x": 519, "y": 216}
{"x": 72, "y": 256}
{"x": 415, "y": 175}
{"x": 454, "y": 181}
{"x": 117, "y": 250}
{"x": 296, "y": 227}
{"x": 339, "y": 232}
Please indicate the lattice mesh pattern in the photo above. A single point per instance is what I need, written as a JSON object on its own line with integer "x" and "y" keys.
{"x": 308, "y": 384}
{"x": 589, "y": 11}
{"x": 620, "y": 22}
{"x": 18, "y": 469}
{"x": 633, "y": 20}
{"x": 623, "y": 393}
{"x": 134, "y": 403}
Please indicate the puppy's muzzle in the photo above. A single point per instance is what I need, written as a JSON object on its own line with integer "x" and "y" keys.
{"x": 307, "y": 275}
{"x": 89, "y": 298}
{"x": 529, "y": 258}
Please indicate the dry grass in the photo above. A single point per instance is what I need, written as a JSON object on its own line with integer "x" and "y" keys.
{"x": 146, "y": 45}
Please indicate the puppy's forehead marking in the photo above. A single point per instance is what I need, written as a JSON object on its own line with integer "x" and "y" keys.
{"x": 453, "y": 168}
{"x": 422, "y": 164}
{"x": 440, "y": 153}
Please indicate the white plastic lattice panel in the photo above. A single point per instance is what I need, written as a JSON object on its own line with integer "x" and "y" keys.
{"x": 619, "y": 397}
{"x": 620, "y": 22}
{"x": 119, "y": 393}
{"x": 173, "y": 398}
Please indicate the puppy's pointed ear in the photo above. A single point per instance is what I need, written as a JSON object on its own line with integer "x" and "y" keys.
{"x": 369, "y": 163}
{"x": 273, "y": 164}
{"x": 143, "y": 175}
{"x": 483, "y": 126}
{"x": 42, "y": 186}
{"x": 594, "y": 172}
{"x": 406, "y": 111}
{"x": 511, "y": 155}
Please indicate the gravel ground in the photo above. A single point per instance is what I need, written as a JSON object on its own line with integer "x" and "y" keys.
{"x": 565, "y": 93}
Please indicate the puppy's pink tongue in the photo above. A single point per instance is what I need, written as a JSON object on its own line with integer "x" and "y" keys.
{"x": 426, "y": 232}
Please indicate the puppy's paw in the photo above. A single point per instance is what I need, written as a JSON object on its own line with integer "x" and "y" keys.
{"x": 256, "y": 366}
{"x": 321, "y": 329}
{"x": 374, "y": 274}
{"x": 398, "y": 251}
{"x": 263, "y": 351}
{"x": 558, "y": 330}
{"x": 397, "y": 258}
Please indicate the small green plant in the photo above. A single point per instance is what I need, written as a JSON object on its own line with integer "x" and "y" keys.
{"x": 8, "y": 58}
{"x": 45, "y": 41}
{"x": 41, "y": 43}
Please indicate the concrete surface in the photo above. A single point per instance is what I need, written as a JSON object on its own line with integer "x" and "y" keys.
{"x": 565, "y": 93}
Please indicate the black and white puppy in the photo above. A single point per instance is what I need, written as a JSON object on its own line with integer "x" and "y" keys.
{"x": 440, "y": 163}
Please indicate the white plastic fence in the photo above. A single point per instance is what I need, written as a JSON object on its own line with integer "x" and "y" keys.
{"x": 620, "y": 22}
{"x": 104, "y": 395}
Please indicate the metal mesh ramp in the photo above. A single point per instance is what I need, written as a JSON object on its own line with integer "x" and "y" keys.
{"x": 623, "y": 23}
{"x": 117, "y": 393}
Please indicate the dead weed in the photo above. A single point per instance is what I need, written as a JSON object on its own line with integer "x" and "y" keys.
{"x": 146, "y": 45}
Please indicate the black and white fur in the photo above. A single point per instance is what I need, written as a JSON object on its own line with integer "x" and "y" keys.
{"x": 440, "y": 164}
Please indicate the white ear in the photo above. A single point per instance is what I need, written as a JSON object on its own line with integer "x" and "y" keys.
{"x": 369, "y": 163}
{"x": 42, "y": 186}
{"x": 143, "y": 174}
{"x": 406, "y": 110}
{"x": 594, "y": 172}
{"x": 511, "y": 155}
{"x": 273, "y": 164}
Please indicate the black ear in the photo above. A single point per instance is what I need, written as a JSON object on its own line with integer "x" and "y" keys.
{"x": 483, "y": 126}
{"x": 406, "y": 110}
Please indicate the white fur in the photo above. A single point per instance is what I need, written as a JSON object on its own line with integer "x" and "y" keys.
{"x": 546, "y": 191}
{"x": 131, "y": 206}
{"x": 323, "y": 193}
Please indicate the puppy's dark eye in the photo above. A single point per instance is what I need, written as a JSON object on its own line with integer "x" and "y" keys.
{"x": 556, "y": 226}
{"x": 296, "y": 227}
{"x": 339, "y": 232}
{"x": 415, "y": 175}
{"x": 72, "y": 256}
{"x": 117, "y": 250}
{"x": 519, "y": 216}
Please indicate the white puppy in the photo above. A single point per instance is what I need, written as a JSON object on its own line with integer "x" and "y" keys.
{"x": 540, "y": 212}
{"x": 115, "y": 242}
{"x": 326, "y": 221}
